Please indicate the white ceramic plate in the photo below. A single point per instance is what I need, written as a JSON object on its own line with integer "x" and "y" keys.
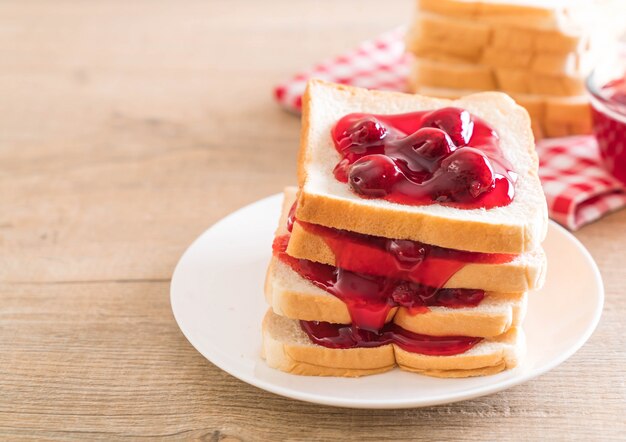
{"x": 217, "y": 299}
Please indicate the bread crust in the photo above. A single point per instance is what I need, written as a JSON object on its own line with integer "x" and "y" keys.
{"x": 312, "y": 304}
{"x": 466, "y": 37}
{"x": 314, "y": 360}
{"x": 516, "y": 276}
{"x": 424, "y": 226}
{"x": 464, "y": 322}
{"x": 483, "y": 371}
{"x": 465, "y": 361}
{"x": 480, "y": 77}
{"x": 527, "y": 16}
{"x": 294, "y": 304}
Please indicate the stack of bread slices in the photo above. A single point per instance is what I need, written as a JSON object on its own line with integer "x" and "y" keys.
{"x": 347, "y": 295}
{"x": 539, "y": 52}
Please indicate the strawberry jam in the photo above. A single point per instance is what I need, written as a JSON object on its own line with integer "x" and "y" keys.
{"x": 345, "y": 336}
{"x": 446, "y": 156}
{"x": 401, "y": 259}
{"x": 369, "y": 298}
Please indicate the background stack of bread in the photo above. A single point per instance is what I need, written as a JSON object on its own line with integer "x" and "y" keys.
{"x": 539, "y": 52}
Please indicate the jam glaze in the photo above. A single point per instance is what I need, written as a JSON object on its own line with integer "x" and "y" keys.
{"x": 446, "y": 156}
{"x": 370, "y": 298}
{"x": 345, "y": 336}
{"x": 408, "y": 260}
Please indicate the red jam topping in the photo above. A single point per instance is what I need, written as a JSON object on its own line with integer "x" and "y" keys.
{"x": 610, "y": 127}
{"x": 401, "y": 259}
{"x": 446, "y": 156}
{"x": 345, "y": 336}
{"x": 369, "y": 298}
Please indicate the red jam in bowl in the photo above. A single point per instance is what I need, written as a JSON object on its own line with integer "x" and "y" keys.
{"x": 608, "y": 99}
{"x": 446, "y": 156}
{"x": 345, "y": 336}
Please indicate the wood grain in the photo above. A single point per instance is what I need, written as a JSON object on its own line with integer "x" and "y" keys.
{"x": 130, "y": 127}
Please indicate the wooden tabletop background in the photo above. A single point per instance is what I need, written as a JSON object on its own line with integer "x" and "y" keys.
{"x": 128, "y": 128}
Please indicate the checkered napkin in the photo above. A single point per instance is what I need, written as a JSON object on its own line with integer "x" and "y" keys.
{"x": 375, "y": 64}
{"x": 578, "y": 189}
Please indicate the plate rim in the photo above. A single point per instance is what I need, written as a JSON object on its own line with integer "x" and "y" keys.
{"x": 403, "y": 403}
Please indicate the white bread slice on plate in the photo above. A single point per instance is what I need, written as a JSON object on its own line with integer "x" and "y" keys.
{"x": 516, "y": 228}
{"x": 287, "y": 348}
{"x": 495, "y": 315}
{"x": 488, "y": 357}
{"x": 525, "y": 272}
{"x": 294, "y": 297}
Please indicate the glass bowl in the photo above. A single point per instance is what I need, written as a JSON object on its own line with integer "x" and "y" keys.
{"x": 607, "y": 87}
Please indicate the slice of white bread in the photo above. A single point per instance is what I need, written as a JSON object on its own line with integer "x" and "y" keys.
{"x": 561, "y": 15}
{"x": 432, "y": 34}
{"x": 287, "y": 348}
{"x": 292, "y": 296}
{"x": 551, "y": 116}
{"x": 516, "y": 228}
{"x": 570, "y": 64}
{"x": 451, "y": 75}
{"x": 522, "y": 82}
{"x": 526, "y": 272}
{"x": 445, "y": 74}
{"x": 468, "y": 38}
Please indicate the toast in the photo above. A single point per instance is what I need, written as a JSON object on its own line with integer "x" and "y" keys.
{"x": 516, "y": 228}
{"x": 292, "y": 296}
{"x": 287, "y": 347}
{"x": 525, "y": 272}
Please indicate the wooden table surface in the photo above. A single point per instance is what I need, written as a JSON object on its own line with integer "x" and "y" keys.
{"x": 128, "y": 128}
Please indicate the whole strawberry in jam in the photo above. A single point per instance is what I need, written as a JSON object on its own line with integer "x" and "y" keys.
{"x": 356, "y": 133}
{"x": 374, "y": 175}
{"x": 455, "y": 122}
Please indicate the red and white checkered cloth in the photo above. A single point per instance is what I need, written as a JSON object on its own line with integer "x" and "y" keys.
{"x": 380, "y": 63}
{"x": 578, "y": 189}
